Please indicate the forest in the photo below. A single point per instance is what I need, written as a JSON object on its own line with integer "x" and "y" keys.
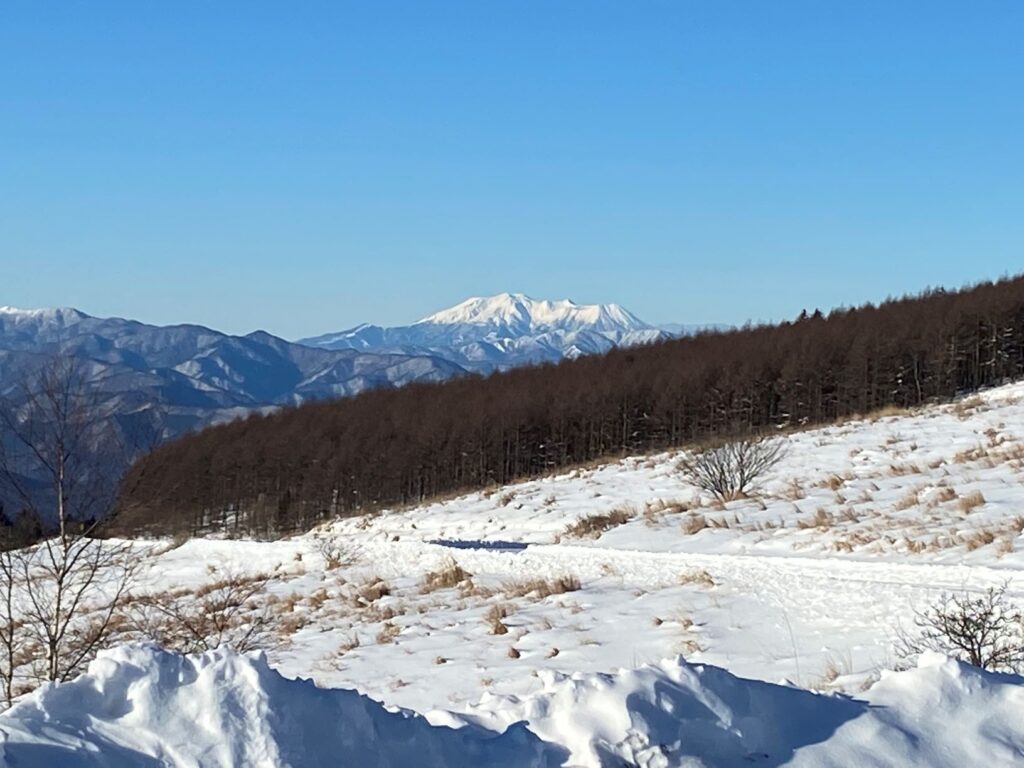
{"x": 268, "y": 475}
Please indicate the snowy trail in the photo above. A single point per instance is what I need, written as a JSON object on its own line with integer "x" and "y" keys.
{"x": 657, "y": 569}
{"x": 766, "y": 616}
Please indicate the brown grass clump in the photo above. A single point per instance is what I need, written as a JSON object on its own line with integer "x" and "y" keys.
{"x": 964, "y": 408}
{"x": 372, "y": 591}
{"x": 513, "y": 653}
{"x": 910, "y": 500}
{"x": 388, "y": 632}
{"x": 821, "y": 520}
{"x": 495, "y": 619}
{"x": 697, "y": 576}
{"x": 542, "y": 588}
{"x": 971, "y": 501}
{"x": 979, "y": 539}
{"x": 593, "y": 526}
{"x": 449, "y": 575}
{"x": 695, "y": 523}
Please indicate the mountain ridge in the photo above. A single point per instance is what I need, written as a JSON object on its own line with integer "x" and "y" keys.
{"x": 487, "y": 333}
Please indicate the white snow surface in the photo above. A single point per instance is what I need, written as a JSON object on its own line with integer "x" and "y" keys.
{"x": 141, "y": 706}
{"x": 526, "y": 315}
{"x": 704, "y": 609}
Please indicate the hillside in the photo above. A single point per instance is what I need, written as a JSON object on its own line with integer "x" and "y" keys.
{"x": 287, "y": 471}
{"x": 521, "y": 603}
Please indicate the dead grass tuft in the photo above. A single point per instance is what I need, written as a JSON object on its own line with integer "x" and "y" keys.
{"x": 449, "y": 575}
{"x": 971, "y": 501}
{"x": 541, "y": 588}
{"x": 592, "y": 526}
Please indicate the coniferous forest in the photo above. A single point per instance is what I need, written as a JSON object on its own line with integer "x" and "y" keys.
{"x": 272, "y": 474}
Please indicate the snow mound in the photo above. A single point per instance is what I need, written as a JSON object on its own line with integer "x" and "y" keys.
{"x": 944, "y": 713}
{"x": 142, "y": 706}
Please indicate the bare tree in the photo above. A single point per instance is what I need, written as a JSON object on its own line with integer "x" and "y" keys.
{"x": 231, "y": 611}
{"x": 59, "y": 459}
{"x": 730, "y": 470}
{"x": 984, "y": 629}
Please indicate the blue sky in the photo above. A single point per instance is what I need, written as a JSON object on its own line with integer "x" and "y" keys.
{"x": 302, "y": 167}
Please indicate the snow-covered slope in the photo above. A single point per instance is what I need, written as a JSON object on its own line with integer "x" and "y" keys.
{"x": 812, "y": 579}
{"x": 494, "y": 332}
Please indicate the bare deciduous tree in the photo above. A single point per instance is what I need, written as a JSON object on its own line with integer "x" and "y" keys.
{"x": 59, "y": 458}
{"x": 730, "y": 470}
{"x": 231, "y": 611}
{"x": 984, "y": 629}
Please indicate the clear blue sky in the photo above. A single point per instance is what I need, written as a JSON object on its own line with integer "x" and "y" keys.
{"x": 302, "y": 167}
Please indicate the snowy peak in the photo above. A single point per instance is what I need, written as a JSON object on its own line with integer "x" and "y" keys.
{"x": 50, "y": 315}
{"x": 488, "y": 333}
{"x": 523, "y": 314}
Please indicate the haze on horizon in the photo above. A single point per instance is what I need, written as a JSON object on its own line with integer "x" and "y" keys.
{"x": 306, "y": 170}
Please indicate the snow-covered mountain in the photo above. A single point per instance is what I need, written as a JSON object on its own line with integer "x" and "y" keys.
{"x": 502, "y": 331}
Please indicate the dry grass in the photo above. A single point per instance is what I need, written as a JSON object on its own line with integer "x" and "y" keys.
{"x": 822, "y": 520}
{"x": 541, "y": 588}
{"x": 592, "y": 526}
{"x": 449, "y": 575}
{"x": 495, "y": 619}
{"x": 388, "y": 632}
{"x": 964, "y": 408}
{"x": 372, "y": 591}
{"x": 971, "y": 501}
{"x": 695, "y": 523}
{"x": 697, "y": 576}
{"x": 912, "y": 499}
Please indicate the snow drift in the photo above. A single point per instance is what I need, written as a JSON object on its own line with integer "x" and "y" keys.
{"x": 942, "y": 714}
{"x": 140, "y": 706}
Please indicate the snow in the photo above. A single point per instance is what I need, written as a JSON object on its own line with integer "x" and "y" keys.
{"x": 525, "y": 315}
{"x": 703, "y": 608}
{"x": 139, "y": 705}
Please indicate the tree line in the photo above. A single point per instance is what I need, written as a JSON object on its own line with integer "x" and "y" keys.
{"x": 286, "y": 471}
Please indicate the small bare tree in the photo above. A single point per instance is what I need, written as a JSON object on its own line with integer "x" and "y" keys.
{"x": 729, "y": 470}
{"x": 231, "y": 611}
{"x": 59, "y": 459}
{"x": 984, "y": 629}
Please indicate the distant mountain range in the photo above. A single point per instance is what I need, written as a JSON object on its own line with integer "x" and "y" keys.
{"x": 194, "y": 375}
{"x": 504, "y": 331}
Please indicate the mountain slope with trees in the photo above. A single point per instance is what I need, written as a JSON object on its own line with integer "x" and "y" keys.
{"x": 291, "y": 469}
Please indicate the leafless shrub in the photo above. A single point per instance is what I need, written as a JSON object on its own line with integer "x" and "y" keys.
{"x": 592, "y": 526}
{"x": 729, "y": 470}
{"x": 231, "y": 611}
{"x": 984, "y": 629}
{"x": 337, "y": 553}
